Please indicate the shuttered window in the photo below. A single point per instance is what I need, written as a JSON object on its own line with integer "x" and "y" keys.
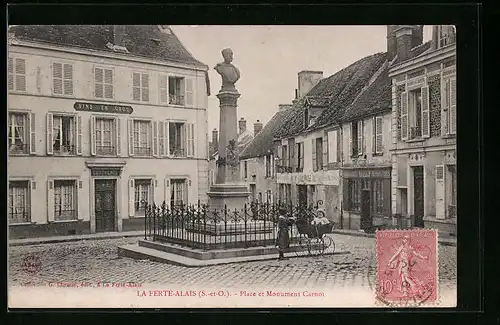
{"x": 163, "y": 89}
{"x": 19, "y": 205}
{"x": 332, "y": 146}
{"x": 103, "y": 87}
{"x": 378, "y": 143}
{"x": 140, "y": 87}
{"x": 62, "y": 77}
{"x": 16, "y": 74}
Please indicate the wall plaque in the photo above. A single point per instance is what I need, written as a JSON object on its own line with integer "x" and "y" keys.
{"x": 103, "y": 108}
{"x": 105, "y": 172}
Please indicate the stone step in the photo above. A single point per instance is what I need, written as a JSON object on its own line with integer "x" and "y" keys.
{"x": 139, "y": 252}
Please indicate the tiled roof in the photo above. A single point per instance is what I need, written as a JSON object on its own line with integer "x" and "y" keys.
{"x": 342, "y": 88}
{"x": 244, "y": 139}
{"x": 141, "y": 40}
{"x": 375, "y": 99}
{"x": 263, "y": 141}
{"x": 416, "y": 51}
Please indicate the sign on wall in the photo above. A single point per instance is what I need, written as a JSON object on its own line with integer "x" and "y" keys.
{"x": 103, "y": 108}
{"x": 321, "y": 178}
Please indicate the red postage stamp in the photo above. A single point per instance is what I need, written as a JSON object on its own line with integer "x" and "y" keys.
{"x": 407, "y": 270}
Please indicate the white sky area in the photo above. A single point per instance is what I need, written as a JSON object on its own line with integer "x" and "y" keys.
{"x": 269, "y": 58}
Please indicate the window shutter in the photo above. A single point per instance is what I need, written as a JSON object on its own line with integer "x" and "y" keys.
{"x": 453, "y": 106}
{"x": 93, "y": 145}
{"x": 155, "y": 138}
{"x": 131, "y": 198}
{"x": 266, "y": 165}
{"x": 108, "y": 83}
{"x": 339, "y": 143}
{"x": 351, "y": 149}
{"x": 313, "y": 143}
{"x": 404, "y": 116}
{"x": 271, "y": 162}
{"x": 440, "y": 192}
{"x": 166, "y": 136}
{"x": 374, "y": 135}
{"x": 386, "y": 196}
{"x": 332, "y": 146}
{"x": 190, "y": 140}
{"x": 161, "y": 139}
{"x": 163, "y": 88}
{"x": 118, "y": 137}
{"x": 360, "y": 137}
{"x": 57, "y": 75}
{"x": 79, "y": 140}
{"x": 130, "y": 137}
{"x": 136, "y": 86}
{"x": 189, "y": 91}
{"x": 379, "y": 143}
{"x": 50, "y": 132}
{"x": 68, "y": 79}
{"x": 167, "y": 191}
{"x": 21, "y": 74}
{"x": 32, "y": 132}
{"x": 425, "y": 113}
{"x": 50, "y": 200}
{"x": 325, "y": 151}
{"x": 145, "y": 87}
{"x": 99, "y": 83}
{"x": 445, "y": 106}
{"x": 11, "y": 73}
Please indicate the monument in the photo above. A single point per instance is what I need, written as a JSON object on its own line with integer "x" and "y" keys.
{"x": 228, "y": 189}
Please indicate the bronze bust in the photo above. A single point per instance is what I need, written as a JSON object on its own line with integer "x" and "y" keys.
{"x": 229, "y": 73}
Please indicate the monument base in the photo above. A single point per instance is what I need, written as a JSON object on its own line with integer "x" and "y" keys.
{"x": 232, "y": 195}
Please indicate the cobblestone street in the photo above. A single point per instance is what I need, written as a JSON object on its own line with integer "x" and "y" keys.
{"x": 97, "y": 261}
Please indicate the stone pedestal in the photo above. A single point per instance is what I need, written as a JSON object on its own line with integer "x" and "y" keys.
{"x": 228, "y": 190}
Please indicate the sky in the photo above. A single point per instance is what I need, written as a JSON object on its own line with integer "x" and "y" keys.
{"x": 270, "y": 57}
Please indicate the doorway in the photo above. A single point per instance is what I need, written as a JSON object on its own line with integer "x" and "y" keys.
{"x": 418, "y": 196}
{"x": 302, "y": 195}
{"x": 105, "y": 205}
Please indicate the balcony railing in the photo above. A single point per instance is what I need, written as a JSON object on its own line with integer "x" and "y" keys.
{"x": 178, "y": 152}
{"x": 175, "y": 99}
{"x": 142, "y": 151}
{"x": 64, "y": 149}
{"x": 106, "y": 150}
{"x": 18, "y": 149}
{"x": 284, "y": 169}
{"x": 64, "y": 215}
{"x": 19, "y": 215}
{"x": 415, "y": 132}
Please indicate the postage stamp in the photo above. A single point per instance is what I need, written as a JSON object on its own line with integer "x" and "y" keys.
{"x": 407, "y": 269}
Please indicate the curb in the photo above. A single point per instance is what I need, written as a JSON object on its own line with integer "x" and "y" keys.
{"x": 450, "y": 242}
{"x": 38, "y": 241}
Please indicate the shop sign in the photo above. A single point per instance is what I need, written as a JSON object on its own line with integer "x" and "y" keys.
{"x": 103, "y": 108}
{"x": 320, "y": 178}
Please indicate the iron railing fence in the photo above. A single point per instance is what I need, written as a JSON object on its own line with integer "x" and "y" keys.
{"x": 198, "y": 226}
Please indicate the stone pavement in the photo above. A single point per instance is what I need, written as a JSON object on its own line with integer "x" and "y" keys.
{"x": 97, "y": 260}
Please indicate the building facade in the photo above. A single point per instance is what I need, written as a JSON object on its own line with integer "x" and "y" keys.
{"x": 102, "y": 119}
{"x": 424, "y": 186}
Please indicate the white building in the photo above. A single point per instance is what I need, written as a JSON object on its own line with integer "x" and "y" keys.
{"x": 102, "y": 119}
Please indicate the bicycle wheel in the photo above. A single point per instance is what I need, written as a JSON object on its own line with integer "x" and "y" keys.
{"x": 329, "y": 245}
{"x": 316, "y": 246}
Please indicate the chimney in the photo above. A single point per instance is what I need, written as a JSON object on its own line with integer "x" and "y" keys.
{"x": 401, "y": 39}
{"x": 118, "y": 34}
{"x": 284, "y": 107}
{"x": 257, "y": 127}
{"x": 307, "y": 80}
{"x": 242, "y": 123}
{"x": 215, "y": 139}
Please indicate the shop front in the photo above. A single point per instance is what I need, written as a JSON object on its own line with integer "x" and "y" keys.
{"x": 366, "y": 189}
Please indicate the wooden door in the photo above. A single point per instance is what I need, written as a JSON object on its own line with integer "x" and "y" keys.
{"x": 418, "y": 196}
{"x": 105, "y": 205}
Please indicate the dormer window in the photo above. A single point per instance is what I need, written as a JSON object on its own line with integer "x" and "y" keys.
{"x": 446, "y": 35}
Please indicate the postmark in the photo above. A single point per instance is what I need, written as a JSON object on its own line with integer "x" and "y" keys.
{"x": 407, "y": 268}
{"x": 31, "y": 264}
